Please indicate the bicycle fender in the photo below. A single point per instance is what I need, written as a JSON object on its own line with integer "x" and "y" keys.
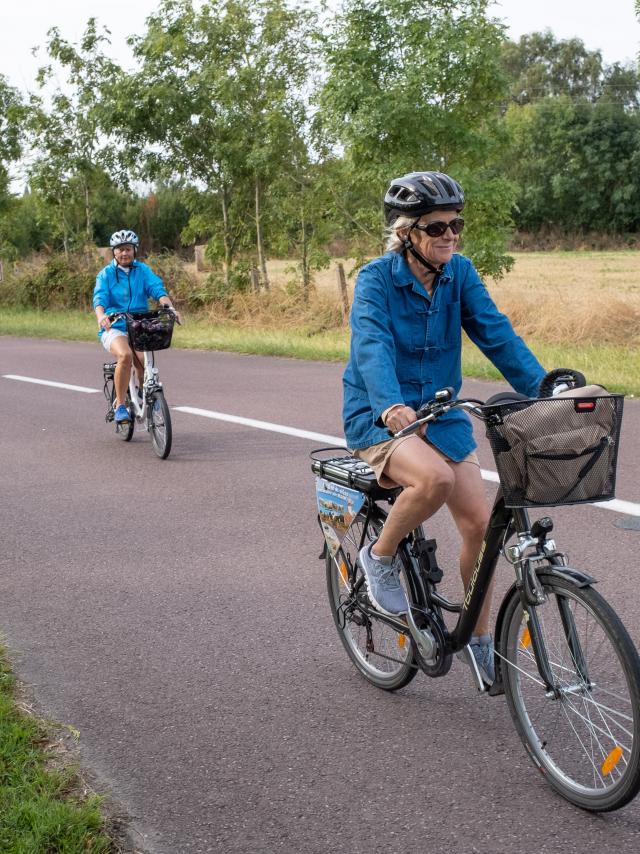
{"x": 573, "y": 576}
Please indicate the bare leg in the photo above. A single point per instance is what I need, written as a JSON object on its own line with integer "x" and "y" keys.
{"x": 468, "y": 505}
{"x": 427, "y": 482}
{"x": 121, "y": 350}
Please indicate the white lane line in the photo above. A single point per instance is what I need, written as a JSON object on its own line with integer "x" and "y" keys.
{"x": 616, "y": 505}
{"x": 262, "y": 425}
{"x": 52, "y": 383}
{"x": 628, "y": 508}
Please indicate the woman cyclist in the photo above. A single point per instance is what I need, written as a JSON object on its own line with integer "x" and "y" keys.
{"x": 410, "y": 307}
{"x": 124, "y": 285}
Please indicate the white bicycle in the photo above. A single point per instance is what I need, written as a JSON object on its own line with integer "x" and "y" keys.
{"x": 148, "y": 332}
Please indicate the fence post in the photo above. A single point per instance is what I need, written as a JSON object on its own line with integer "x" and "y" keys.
{"x": 344, "y": 298}
{"x": 255, "y": 280}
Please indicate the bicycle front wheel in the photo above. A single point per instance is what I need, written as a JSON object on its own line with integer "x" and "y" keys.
{"x": 383, "y": 655}
{"x": 584, "y": 736}
{"x": 160, "y": 425}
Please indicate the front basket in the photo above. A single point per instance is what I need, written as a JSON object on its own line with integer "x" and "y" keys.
{"x": 557, "y": 450}
{"x": 151, "y": 330}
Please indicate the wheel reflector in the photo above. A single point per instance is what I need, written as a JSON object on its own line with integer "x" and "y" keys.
{"x": 401, "y": 641}
{"x": 611, "y": 761}
{"x": 525, "y": 639}
{"x": 344, "y": 574}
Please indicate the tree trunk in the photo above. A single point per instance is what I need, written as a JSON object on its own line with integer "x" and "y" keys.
{"x": 227, "y": 239}
{"x": 306, "y": 274}
{"x": 344, "y": 298}
{"x": 87, "y": 212}
{"x": 262, "y": 261}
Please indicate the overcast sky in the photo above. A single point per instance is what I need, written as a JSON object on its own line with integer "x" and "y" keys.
{"x": 609, "y": 25}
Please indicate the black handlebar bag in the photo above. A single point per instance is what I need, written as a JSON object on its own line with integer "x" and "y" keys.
{"x": 557, "y": 450}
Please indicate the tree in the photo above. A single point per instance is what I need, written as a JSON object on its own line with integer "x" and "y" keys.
{"x": 71, "y": 154}
{"x": 218, "y": 102}
{"x": 11, "y": 118}
{"x": 413, "y": 87}
{"x": 576, "y": 165}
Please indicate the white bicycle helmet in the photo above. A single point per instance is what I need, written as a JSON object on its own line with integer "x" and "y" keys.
{"x": 125, "y": 236}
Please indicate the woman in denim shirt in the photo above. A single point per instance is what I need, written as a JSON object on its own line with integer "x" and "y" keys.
{"x": 409, "y": 310}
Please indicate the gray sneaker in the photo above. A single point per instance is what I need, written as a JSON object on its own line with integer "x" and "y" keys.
{"x": 383, "y": 584}
{"x": 481, "y": 648}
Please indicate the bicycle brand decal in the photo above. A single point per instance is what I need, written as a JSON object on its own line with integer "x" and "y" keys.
{"x": 337, "y": 508}
{"x": 474, "y": 577}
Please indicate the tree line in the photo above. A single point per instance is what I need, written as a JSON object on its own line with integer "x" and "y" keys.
{"x": 273, "y": 130}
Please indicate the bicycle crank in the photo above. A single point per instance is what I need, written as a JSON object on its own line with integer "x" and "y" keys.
{"x": 433, "y": 657}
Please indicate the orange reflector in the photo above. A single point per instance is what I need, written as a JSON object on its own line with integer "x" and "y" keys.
{"x": 344, "y": 572}
{"x": 402, "y": 639}
{"x": 525, "y": 640}
{"x": 611, "y": 761}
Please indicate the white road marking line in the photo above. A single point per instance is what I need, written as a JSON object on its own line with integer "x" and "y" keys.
{"x": 628, "y": 508}
{"x": 52, "y": 383}
{"x": 616, "y": 505}
{"x": 262, "y": 425}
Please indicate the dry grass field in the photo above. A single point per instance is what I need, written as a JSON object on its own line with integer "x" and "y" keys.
{"x": 550, "y": 296}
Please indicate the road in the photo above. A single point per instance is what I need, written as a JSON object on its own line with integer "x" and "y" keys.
{"x": 175, "y": 613}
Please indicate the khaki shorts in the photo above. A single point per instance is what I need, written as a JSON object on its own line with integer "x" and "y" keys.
{"x": 377, "y": 456}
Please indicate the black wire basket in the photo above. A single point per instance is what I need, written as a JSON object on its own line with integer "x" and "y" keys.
{"x": 151, "y": 330}
{"x": 556, "y": 450}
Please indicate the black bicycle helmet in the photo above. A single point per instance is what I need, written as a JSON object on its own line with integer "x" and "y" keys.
{"x": 418, "y": 193}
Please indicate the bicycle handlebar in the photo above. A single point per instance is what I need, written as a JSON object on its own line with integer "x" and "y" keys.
{"x": 558, "y": 380}
{"x": 125, "y": 314}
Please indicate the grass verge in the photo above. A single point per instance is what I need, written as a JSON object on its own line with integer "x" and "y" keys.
{"x": 43, "y": 805}
{"x": 615, "y": 366}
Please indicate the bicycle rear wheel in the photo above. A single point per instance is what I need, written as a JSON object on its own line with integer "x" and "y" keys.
{"x": 160, "y": 425}
{"x": 383, "y": 655}
{"x": 585, "y": 738}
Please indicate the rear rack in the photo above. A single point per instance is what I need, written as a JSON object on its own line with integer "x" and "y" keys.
{"x": 349, "y": 471}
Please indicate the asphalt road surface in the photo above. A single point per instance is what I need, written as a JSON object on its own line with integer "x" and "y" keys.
{"x": 175, "y": 613}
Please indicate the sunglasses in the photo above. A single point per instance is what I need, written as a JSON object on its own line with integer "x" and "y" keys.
{"x": 438, "y": 228}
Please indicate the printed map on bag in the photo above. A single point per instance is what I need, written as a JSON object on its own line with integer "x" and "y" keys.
{"x": 337, "y": 506}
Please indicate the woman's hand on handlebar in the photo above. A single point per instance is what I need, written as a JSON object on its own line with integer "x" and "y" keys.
{"x": 400, "y": 417}
{"x": 104, "y": 322}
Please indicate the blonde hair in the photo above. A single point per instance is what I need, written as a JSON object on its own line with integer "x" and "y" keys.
{"x": 392, "y": 240}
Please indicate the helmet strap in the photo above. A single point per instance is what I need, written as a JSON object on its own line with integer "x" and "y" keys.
{"x": 409, "y": 247}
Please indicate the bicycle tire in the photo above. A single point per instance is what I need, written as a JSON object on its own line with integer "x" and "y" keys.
{"x": 384, "y": 656}
{"x": 586, "y": 741}
{"x": 159, "y": 420}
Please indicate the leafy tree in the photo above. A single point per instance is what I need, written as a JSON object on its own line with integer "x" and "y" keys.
{"x": 218, "y": 103}
{"x": 71, "y": 155}
{"x": 539, "y": 66}
{"x": 576, "y": 165}
{"x": 413, "y": 87}
{"x": 11, "y": 118}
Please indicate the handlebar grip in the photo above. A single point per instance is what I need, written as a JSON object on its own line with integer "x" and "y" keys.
{"x": 573, "y": 379}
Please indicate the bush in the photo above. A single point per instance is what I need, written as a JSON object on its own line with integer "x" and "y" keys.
{"x": 52, "y": 282}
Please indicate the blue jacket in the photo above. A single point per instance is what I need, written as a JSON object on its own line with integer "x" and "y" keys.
{"x": 405, "y": 346}
{"x": 117, "y": 291}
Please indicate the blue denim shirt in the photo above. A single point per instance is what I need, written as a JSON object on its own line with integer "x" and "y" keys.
{"x": 116, "y": 291}
{"x": 405, "y": 346}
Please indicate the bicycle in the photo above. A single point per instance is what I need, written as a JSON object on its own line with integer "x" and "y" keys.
{"x": 148, "y": 332}
{"x": 569, "y": 669}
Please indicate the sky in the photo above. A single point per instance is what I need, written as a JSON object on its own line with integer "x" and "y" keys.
{"x": 608, "y": 25}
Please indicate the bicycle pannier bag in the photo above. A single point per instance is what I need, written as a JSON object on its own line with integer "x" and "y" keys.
{"x": 558, "y": 450}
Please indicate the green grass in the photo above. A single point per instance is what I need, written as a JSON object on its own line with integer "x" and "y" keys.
{"x": 616, "y": 367}
{"x": 42, "y": 808}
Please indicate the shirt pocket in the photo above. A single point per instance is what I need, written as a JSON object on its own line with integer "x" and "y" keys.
{"x": 449, "y": 325}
